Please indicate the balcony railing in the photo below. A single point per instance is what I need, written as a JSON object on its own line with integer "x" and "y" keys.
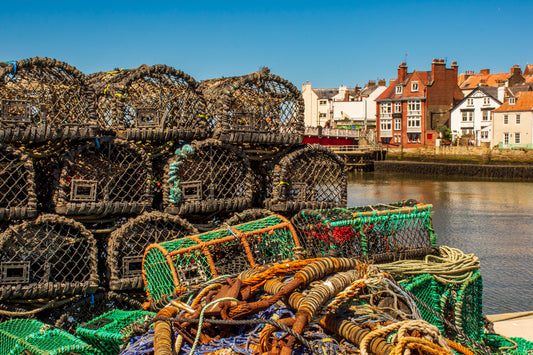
{"x": 414, "y": 112}
{"x": 331, "y": 132}
{"x": 385, "y": 133}
{"x": 414, "y": 130}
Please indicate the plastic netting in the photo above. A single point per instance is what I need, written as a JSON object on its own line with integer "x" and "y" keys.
{"x": 28, "y": 336}
{"x": 371, "y": 231}
{"x": 105, "y": 176}
{"x": 256, "y": 108}
{"x": 311, "y": 177}
{"x": 127, "y": 245}
{"x": 45, "y": 99}
{"x": 150, "y": 103}
{"x": 510, "y": 346}
{"x": 174, "y": 266}
{"x": 206, "y": 177}
{"x": 109, "y": 331}
{"x": 17, "y": 185}
{"x": 460, "y": 303}
{"x": 48, "y": 257}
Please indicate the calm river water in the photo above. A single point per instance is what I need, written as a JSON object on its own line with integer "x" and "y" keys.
{"x": 492, "y": 219}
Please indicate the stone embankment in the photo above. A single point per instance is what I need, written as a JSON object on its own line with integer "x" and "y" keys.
{"x": 461, "y": 161}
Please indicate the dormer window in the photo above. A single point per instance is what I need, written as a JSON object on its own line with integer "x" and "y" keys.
{"x": 512, "y": 100}
{"x": 414, "y": 86}
{"x": 399, "y": 89}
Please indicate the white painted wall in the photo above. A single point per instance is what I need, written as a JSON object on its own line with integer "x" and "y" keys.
{"x": 477, "y": 124}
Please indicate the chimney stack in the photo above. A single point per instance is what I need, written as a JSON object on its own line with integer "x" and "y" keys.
{"x": 438, "y": 69}
{"x": 484, "y": 71}
{"x": 382, "y": 82}
{"x": 515, "y": 69}
{"x": 402, "y": 72}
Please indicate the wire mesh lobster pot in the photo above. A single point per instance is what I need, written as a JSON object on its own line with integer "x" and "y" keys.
{"x": 108, "y": 332}
{"x": 396, "y": 230}
{"x": 312, "y": 177}
{"x": 151, "y": 103}
{"x": 207, "y": 176}
{"x": 127, "y": 245}
{"x": 48, "y": 257}
{"x": 18, "y": 199}
{"x": 45, "y": 99}
{"x": 103, "y": 177}
{"x": 175, "y": 266}
{"x": 29, "y": 336}
{"x": 256, "y": 108}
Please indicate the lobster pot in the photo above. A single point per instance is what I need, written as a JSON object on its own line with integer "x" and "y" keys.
{"x": 51, "y": 256}
{"x": 106, "y": 176}
{"x": 109, "y": 332}
{"x": 396, "y": 230}
{"x": 207, "y": 177}
{"x": 175, "y": 266}
{"x": 127, "y": 245}
{"x": 29, "y": 336}
{"x": 17, "y": 185}
{"x": 150, "y": 103}
{"x": 45, "y": 99}
{"x": 311, "y": 177}
{"x": 248, "y": 215}
{"x": 460, "y": 302}
{"x": 257, "y": 108}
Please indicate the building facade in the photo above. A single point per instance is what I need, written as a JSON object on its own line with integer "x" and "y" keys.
{"x": 513, "y": 122}
{"x": 471, "y": 118}
{"x": 342, "y": 107}
{"x": 412, "y": 108}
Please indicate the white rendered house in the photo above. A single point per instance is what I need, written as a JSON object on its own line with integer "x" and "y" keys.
{"x": 473, "y": 115}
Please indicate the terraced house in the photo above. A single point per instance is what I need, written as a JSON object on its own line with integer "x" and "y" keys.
{"x": 513, "y": 122}
{"x": 411, "y": 109}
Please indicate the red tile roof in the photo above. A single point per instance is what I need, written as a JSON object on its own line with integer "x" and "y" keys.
{"x": 524, "y": 102}
{"x": 474, "y": 80}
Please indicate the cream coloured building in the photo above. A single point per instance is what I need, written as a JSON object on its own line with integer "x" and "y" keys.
{"x": 513, "y": 122}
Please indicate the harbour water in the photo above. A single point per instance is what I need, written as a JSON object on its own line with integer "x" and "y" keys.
{"x": 492, "y": 219}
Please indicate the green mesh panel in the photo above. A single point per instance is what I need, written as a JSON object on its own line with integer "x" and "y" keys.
{"x": 367, "y": 230}
{"x": 498, "y": 345}
{"x": 459, "y": 303}
{"x": 108, "y": 332}
{"x": 424, "y": 287}
{"x": 27, "y": 336}
{"x": 227, "y": 252}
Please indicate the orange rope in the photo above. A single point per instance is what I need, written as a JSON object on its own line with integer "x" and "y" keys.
{"x": 459, "y": 348}
{"x": 259, "y": 279}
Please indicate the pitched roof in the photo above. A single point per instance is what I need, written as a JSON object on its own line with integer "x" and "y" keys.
{"x": 524, "y": 102}
{"x": 389, "y": 91}
{"x": 325, "y": 93}
{"x": 474, "y": 80}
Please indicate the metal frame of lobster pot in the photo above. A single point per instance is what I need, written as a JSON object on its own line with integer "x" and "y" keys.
{"x": 175, "y": 266}
{"x": 260, "y": 108}
{"x": 382, "y": 232}
{"x": 158, "y": 103}
{"x": 310, "y": 177}
{"x": 18, "y": 199}
{"x": 128, "y": 243}
{"x": 43, "y": 99}
{"x": 48, "y": 257}
{"x": 103, "y": 177}
{"x": 207, "y": 176}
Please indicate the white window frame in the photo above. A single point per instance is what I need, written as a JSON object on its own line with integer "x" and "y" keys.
{"x": 386, "y": 108}
{"x": 414, "y": 86}
{"x": 505, "y": 119}
{"x": 517, "y": 138}
{"x": 518, "y": 118}
{"x": 486, "y": 101}
{"x": 397, "y": 124}
{"x": 506, "y": 138}
{"x": 486, "y": 115}
{"x": 323, "y": 102}
{"x": 386, "y": 125}
{"x": 399, "y": 89}
{"x": 322, "y": 115}
{"x": 397, "y": 107}
{"x": 413, "y": 105}
{"x": 512, "y": 100}
{"x": 413, "y": 121}
{"x": 467, "y": 116}
{"x": 470, "y": 102}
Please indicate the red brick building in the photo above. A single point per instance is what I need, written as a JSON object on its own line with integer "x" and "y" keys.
{"x": 415, "y": 104}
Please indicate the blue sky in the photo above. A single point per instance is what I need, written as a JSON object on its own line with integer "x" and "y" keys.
{"x": 327, "y": 43}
